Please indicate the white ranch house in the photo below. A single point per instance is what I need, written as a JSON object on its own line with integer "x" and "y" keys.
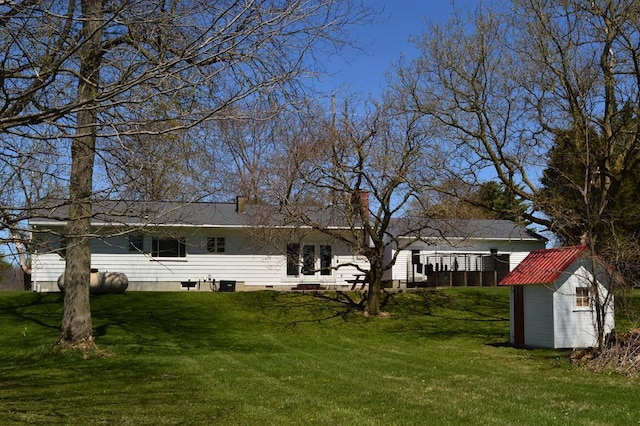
{"x": 189, "y": 247}
{"x": 164, "y": 246}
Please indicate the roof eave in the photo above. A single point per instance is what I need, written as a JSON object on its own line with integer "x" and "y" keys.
{"x": 184, "y": 225}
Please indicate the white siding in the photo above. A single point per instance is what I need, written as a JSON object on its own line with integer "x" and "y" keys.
{"x": 46, "y": 268}
{"x": 538, "y": 316}
{"x": 242, "y": 261}
{"x": 575, "y": 327}
{"x": 399, "y": 269}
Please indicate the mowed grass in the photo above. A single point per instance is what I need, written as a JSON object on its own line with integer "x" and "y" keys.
{"x": 268, "y": 358}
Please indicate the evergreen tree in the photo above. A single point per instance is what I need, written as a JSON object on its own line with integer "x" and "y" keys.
{"x": 571, "y": 189}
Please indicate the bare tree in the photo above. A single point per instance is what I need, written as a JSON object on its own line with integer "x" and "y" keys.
{"x": 361, "y": 171}
{"x": 30, "y": 170}
{"x": 163, "y": 167}
{"x": 501, "y": 87}
{"x": 77, "y": 328}
{"x": 261, "y": 147}
{"x": 76, "y": 71}
{"x": 242, "y": 147}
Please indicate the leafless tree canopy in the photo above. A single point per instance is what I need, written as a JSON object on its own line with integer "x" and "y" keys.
{"x": 96, "y": 79}
{"x": 206, "y": 53}
{"x": 501, "y": 87}
{"x": 358, "y": 166}
{"x": 165, "y": 69}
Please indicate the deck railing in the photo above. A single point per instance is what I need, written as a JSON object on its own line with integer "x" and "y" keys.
{"x": 456, "y": 269}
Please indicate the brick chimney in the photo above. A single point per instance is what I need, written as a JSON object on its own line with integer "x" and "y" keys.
{"x": 241, "y": 204}
{"x": 361, "y": 199}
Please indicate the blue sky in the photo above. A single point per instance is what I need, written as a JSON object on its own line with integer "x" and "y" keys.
{"x": 383, "y": 42}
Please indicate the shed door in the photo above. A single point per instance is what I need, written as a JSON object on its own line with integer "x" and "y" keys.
{"x": 518, "y": 315}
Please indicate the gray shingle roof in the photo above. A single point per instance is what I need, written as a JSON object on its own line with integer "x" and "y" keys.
{"x": 459, "y": 228}
{"x": 151, "y": 213}
{"x": 202, "y": 214}
{"x": 210, "y": 214}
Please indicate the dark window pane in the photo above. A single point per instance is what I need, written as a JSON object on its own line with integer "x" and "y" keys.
{"x": 136, "y": 242}
{"x": 215, "y": 244}
{"x": 293, "y": 259}
{"x": 168, "y": 247}
{"x": 62, "y": 251}
{"x": 308, "y": 260}
{"x": 325, "y": 260}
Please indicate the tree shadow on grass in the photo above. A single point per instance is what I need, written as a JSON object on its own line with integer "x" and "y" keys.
{"x": 290, "y": 310}
{"x": 461, "y": 313}
{"x": 248, "y": 322}
{"x": 172, "y": 322}
{"x": 210, "y": 321}
{"x": 41, "y": 309}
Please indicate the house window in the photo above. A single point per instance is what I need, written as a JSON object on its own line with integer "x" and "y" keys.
{"x": 582, "y": 297}
{"x": 302, "y": 259}
{"x": 136, "y": 242}
{"x": 293, "y": 259}
{"x": 168, "y": 247}
{"x": 308, "y": 260}
{"x": 325, "y": 260}
{"x": 215, "y": 244}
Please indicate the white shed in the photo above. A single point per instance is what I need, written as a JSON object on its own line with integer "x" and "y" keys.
{"x": 553, "y": 299}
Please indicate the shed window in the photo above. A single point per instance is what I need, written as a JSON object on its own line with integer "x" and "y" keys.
{"x": 169, "y": 247}
{"x": 582, "y": 297}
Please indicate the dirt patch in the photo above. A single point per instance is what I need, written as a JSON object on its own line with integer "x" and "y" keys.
{"x": 86, "y": 348}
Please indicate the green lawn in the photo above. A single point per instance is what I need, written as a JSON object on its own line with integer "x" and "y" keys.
{"x": 270, "y": 358}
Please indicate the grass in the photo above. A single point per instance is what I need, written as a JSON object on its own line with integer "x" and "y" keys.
{"x": 270, "y": 358}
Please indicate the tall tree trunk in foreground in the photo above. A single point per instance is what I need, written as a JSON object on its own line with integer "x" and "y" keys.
{"x": 77, "y": 329}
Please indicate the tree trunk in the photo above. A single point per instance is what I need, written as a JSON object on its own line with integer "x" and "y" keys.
{"x": 26, "y": 281}
{"x": 373, "y": 297}
{"x": 375, "y": 283}
{"x": 76, "y": 320}
{"x": 77, "y": 330}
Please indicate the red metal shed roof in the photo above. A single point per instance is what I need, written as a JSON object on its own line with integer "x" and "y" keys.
{"x": 543, "y": 266}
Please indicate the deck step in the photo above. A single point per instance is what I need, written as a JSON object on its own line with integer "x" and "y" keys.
{"x": 308, "y": 287}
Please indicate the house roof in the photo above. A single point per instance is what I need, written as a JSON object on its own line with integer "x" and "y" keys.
{"x": 160, "y": 213}
{"x": 56, "y": 212}
{"x": 464, "y": 229}
{"x": 543, "y": 266}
